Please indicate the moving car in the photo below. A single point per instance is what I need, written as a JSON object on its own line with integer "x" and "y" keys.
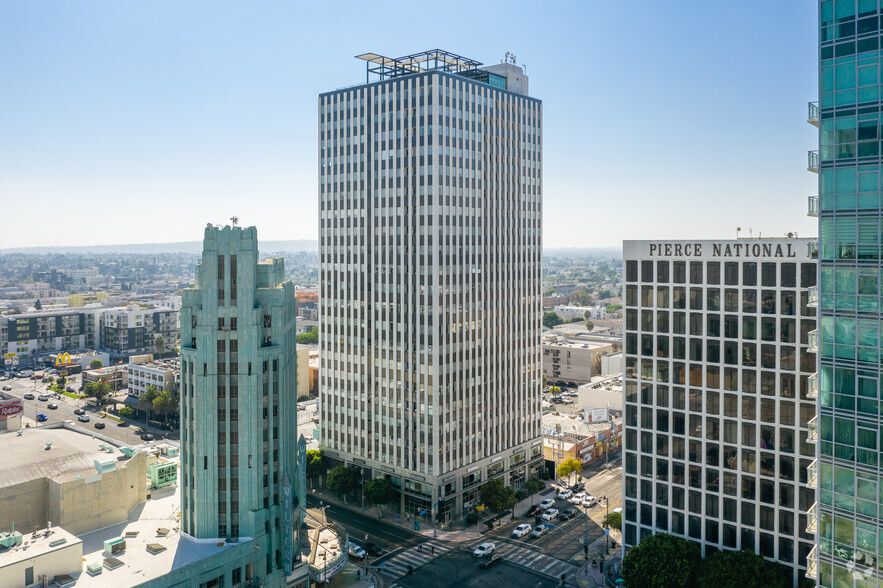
{"x": 146, "y": 437}
{"x": 494, "y": 560}
{"x": 41, "y": 417}
{"x": 99, "y": 425}
{"x": 539, "y": 531}
{"x": 79, "y": 411}
{"x": 70, "y": 389}
{"x": 373, "y": 549}
{"x": 590, "y": 501}
{"x": 567, "y": 513}
{"x": 7, "y": 388}
{"x": 356, "y": 551}
{"x": 29, "y": 396}
{"x": 521, "y": 530}
{"x": 534, "y": 510}
{"x": 484, "y": 549}
{"x": 52, "y": 405}
{"x": 578, "y": 498}
{"x": 43, "y": 397}
{"x": 547, "y": 503}
{"x": 550, "y": 515}
{"x": 565, "y": 494}
{"x": 83, "y": 418}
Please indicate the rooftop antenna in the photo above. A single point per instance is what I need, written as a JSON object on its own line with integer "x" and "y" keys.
{"x": 738, "y": 230}
{"x": 505, "y": 58}
{"x": 234, "y": 220}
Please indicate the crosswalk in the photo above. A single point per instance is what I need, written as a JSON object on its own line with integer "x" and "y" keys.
{"x": 533, "y": 560}
{"x": 397, "y": 566}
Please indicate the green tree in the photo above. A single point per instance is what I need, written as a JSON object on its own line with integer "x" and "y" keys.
{"x": 614, "y": 521}
{"x": 49, "y": 380}
{"x": 590, "y": 325}
{"x": 379, "y": 491}
{"x": 497, "y": 496}
{"x": 127, "y": 412}
{"x": 611, "y": 308}
{"x": 566, "y": 469}
{"x": 550, "y": 319}
{"x": 343, "y": 480}
{"x": 145, "y": 401}
{"x": 311, "y": 337}
{"x": 533, "y": 486}
{"x": 61, "y": 379}
{"x": 159, "y": 343}
{"x": 100, "y": 391}
{"x": 96, "y": 364}
{"x": 316, "y": 465}
{"x": 736, "y": 569}
{"x": 662, "y": 561}
{"x": 165, "y": 403}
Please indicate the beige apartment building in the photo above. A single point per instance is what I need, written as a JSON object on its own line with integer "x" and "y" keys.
{"x": 575, "y": 359}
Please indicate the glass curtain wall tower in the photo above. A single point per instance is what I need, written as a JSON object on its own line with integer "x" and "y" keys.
{"x": 238, "y": 403}
{"x": 430, "y": 199}
{"x": 850, "y": 489}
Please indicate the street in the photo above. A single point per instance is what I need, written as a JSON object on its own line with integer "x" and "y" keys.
{"x": 123, "y": 432}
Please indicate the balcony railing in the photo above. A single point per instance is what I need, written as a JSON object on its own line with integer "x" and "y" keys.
{"x": 812, "y": 474}
{"x": 812, "y": 206}
{"x": 813, "y": 426}
{"x": 812, "y": 296}
{"x": 812, "y": 114}
{"x": 812, "y": 384}
{"x": 812, "y": 519}
{"x": 812, "y": 163}
{"x": 813, "y": 340}
{"x": 813, "y": 249}
{"x": 812, "y": 563}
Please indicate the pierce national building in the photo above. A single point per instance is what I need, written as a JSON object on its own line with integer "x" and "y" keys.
{"x": 430, "y": 199}
{"x": 239, "y": 452}
{"x": 720, "y": 396}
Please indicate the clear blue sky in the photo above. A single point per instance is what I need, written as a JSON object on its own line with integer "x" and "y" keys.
{"x": 130, "y": 122}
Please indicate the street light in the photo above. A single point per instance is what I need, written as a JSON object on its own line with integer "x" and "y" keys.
{"x": 606, "y": 525}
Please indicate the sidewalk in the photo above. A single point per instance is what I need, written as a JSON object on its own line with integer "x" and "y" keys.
{"x": 591, "y": 575}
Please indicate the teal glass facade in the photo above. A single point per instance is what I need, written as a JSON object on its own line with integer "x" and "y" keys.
{"x": 850, "y": 428}
{"x": 241, "y": 478}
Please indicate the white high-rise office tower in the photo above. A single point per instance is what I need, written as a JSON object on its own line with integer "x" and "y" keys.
{"x": 430, "y": 199}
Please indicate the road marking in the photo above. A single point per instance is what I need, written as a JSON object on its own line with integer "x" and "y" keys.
{"x": 604, "y": 513}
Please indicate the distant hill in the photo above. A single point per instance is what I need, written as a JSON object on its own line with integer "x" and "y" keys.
{"x": 182, "y": 247}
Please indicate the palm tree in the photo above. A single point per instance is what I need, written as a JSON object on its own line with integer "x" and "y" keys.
{"x": 159, "y": 343}
{"x": 146, "y": 399}
{"x": 165, "y": 403}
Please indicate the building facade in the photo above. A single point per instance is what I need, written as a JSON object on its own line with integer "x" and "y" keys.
{"x": 575, "y": 360}
{"x": 32, "y": 335}
{"x": 162, "y": 373}
{"x": 238, "y": 403}
{"x": 718, "y": 395}
{"x": 430, "y": 183}
{"x": 849, "y": 509}
{"x": 133, "y": 329}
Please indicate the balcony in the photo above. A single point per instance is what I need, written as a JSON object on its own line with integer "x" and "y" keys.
{"x": 812, "y": 519}
{"x": 813, "y": 249}
{"x": 812, "y": 114}
{"x": 812, "y": 206}
{"x": 812, "y": 474}
{"x": 812, "y": 384}
{"x": 812, "y": 563}
{"x": 812, "y": 340}
{"x": 812, "y": 163}
{"x": 812, "y": 296}
{"x": 813, "y": 426}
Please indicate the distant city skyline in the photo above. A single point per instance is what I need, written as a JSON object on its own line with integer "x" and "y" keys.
{"x": 128, "y": 123}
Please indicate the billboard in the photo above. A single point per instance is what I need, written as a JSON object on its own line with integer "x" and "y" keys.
{"x": 62, "y": 359}
{"x": 11, "y": 409}
{"x": 10, "y": 359}
{"x": 598, "y": 415}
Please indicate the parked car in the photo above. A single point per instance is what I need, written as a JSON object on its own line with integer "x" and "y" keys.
{"x": 578, "y": 487}
{"x": 99, "y": 425}
{"x": 565, "y": 494}
{"x": 29, "y": 396}
{"x": 550, "y": 515}
{"x": 547, "y": 503}
{"x": 489, "y": 563}
{"x": 578, "y": 498}
{"x": 534, "y": 510}
{"x": 484, "y": 549}
{"x": 146, "y": 437}
{"x": 52, "y": 405}
{"x": 521, "y": 530}
{"x": 356, "y": 551}
{"x": 83, "y": 418}
{"x": 70, "y": 389}
{"x": 567, "y": 513}
{"x": 7, "y": 388}
{"x": 43, "y": 397}
{"x": 539, "y": 531}
{"x": 590, "y": 501}
{"x": 79, "y": 411}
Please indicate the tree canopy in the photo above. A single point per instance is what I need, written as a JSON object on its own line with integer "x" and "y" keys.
{"x": 159, "y": 343}
{"x": 316, "y": 465}
{"x": 343, "y": 479}
{"x": 569, "y": 467}
{"x": 311, "y": 337}
{"x": 550, "y": 319}
{"x": 662, "y": 561}
{"x": 496, "y": 496}
{"x": 614, "y": 521}
{"x": 736, "y": 569}
{"x": 533, "y": 486}
{"x": 379, "y": 491}
{"x": 95, "y": 364}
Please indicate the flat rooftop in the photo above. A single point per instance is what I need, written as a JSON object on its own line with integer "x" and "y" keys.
{"x": 72, "y": 454}
{"x": 576, "y": 426}
{"x": 36, "y": 544}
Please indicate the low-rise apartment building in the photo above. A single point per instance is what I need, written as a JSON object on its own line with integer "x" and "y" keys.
{"x": 574, "y": 359}
{"x": 162, "y": 373}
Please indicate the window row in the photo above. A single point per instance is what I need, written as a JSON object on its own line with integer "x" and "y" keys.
{"x": 702, "y": 273}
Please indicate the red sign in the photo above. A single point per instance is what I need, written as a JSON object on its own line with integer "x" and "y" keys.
{"x": 8, "y": 410}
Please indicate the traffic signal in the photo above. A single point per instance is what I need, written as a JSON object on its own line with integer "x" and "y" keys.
{"x": 586, "y": 549}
